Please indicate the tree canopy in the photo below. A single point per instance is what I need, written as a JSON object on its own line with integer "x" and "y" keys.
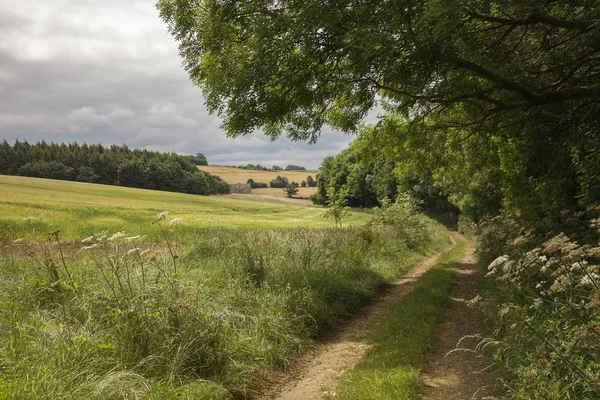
{"x": 498, "y": 98}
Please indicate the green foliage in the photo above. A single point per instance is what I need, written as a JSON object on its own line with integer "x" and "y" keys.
{"x": 253, "y": 167}
{"x": 116, "y": 165}
{"x": 279, "y": 182}
{"x": 336, "y": 206}
{"x": 303, "y": 184}
{"x": 291, "y": 190}
{"x": 198, "y": 159}
{"x": 310, "y": 181}
{"x": 403, "y": 215}
{"x": 293, "y": 167}
{"x": 257, "y": 185}
{"x": 496, "y": 99}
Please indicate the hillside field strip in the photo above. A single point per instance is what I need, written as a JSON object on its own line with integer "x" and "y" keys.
{"x": 81, "y": 209}
{"x": 238, "y": 175}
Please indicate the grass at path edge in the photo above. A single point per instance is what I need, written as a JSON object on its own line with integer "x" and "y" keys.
{"x": 392, "y": 366}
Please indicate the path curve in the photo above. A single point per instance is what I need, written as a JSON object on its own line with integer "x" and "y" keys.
{"x": 316, "y": 374}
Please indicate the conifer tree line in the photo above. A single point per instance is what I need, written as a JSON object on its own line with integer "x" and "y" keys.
{"x": 113, "y": 165}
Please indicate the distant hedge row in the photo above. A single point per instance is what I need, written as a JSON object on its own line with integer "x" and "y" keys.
{"x": 114, "y": 165}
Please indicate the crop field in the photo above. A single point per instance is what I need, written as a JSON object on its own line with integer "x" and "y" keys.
{"x": 238, "y": 175}
{"x": 29, "y": 205}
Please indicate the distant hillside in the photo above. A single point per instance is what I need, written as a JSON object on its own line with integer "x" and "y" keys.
{"x": 238, "y": 175}
{"x": 114, "y": 165}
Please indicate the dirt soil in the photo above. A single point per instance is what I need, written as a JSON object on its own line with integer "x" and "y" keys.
{"x": 315, "y": 375}
{"x": 454, "y": 371}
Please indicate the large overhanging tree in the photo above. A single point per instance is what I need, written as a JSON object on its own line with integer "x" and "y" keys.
{"x": 518, "y": 77}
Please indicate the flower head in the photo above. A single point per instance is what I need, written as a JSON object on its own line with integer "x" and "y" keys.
{"x": 116, "y": 236}
{"x": 88, "y": 239}
{"x": 160, "y": 217}
{"x": 175, "y": 221}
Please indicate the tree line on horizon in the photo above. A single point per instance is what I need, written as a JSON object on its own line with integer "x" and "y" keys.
{"x": 112, "y": 165}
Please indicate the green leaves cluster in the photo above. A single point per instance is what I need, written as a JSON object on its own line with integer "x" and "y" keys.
{"x": 498, "y": 99}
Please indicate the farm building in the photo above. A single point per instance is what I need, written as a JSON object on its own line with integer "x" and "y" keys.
{"x": 243, "y": 188}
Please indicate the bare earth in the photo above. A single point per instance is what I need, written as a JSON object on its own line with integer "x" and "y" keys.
{"x": 453, "y": 371}
{"x": 315, "y": 375}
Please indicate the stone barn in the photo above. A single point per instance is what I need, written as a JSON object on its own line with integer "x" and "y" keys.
{"x": 242, "y": 188}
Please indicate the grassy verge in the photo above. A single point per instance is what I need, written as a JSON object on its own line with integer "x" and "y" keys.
{"x": 392, "y": 367}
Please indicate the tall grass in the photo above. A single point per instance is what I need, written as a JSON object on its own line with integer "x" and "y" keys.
{"x": 124, "y": 318}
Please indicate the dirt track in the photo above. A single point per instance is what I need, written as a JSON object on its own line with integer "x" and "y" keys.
{"x": 315, "y": 375}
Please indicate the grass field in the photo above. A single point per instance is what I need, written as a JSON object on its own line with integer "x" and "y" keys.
{"x": 238, "y": 175}
{"x": 225, "y": 296}
{"x": 81, "y": 209}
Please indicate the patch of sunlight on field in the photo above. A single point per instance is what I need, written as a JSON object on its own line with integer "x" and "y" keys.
{"x": 81, "y": 209}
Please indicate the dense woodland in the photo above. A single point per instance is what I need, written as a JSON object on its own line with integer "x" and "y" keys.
{"x": 114, "y": 165}
{"x": 494, "y": 104}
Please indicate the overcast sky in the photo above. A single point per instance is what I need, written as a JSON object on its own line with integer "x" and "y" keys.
{"x": 107, "y": 71}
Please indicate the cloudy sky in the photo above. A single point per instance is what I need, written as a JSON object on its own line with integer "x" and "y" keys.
{"x": 107, "y": 71}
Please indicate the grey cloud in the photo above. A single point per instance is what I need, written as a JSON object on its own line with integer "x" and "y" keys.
{"x": 108, "y": 72}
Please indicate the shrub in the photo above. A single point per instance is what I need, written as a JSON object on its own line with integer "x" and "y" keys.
{"x": 545, "y": 298}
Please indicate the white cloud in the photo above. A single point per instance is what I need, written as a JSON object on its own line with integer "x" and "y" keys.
{"x": 120, "y": 113}
{"x": 168, "y": 115}
{"x": 109, "y": 72}
{"x": 87, "y": 116}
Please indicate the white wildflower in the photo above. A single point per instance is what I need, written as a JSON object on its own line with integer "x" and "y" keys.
{"x": 175, "y": 221}
{"x": 561, "y": 284}
{"x": 132, "y": 238}
{"x": 28, "y": 219}
{"x": 88, "y": 239}
{"x": 116, "y": 236}
{"x": 543, "y": 258}
{"x": 93, "y": 246}
{"x": 160, "y": 217}
{"x": 498, "y": 262}
{"x": 18, "y": 240}
{"x": 132, "y": 251}
{"x": 589, "y": 279}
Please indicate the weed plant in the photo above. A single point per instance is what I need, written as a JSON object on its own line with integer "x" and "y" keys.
{"x": 122, "y": 318}
{"x": 544, "y": 294}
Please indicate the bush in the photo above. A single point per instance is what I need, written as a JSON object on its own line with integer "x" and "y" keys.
{"x": 545, "y": 299}
{"x": 279, "y": 182}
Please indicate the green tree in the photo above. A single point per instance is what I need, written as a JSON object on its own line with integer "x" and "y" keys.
{"x": 336, "y": 206}
{"x": 291, "y": 190}
{"x": 303, "y": 183}
{"x": 515, "y": 81}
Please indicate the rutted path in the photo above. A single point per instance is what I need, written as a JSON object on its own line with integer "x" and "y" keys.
{"x": 454, "y": 371}
{"x": 315, "y": 375}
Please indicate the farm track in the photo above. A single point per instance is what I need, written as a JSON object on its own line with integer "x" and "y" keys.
{"x": 456, "y": 369}
{"x": 315, "y": 375}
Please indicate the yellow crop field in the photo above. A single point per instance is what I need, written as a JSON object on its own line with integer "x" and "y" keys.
{"x": 238, "y": 175}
